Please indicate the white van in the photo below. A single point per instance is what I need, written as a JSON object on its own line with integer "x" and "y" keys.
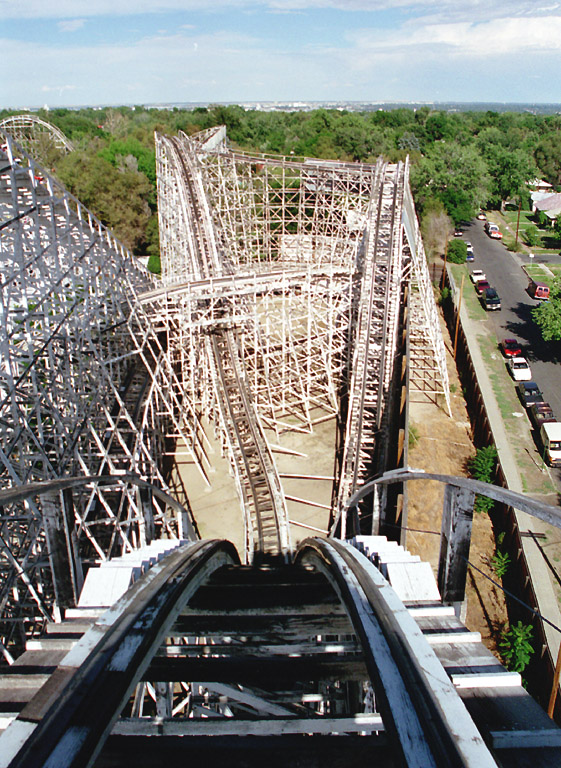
{"x": 550, "y": 434}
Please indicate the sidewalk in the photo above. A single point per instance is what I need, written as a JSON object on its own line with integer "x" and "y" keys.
{"x": 519, "y": 460}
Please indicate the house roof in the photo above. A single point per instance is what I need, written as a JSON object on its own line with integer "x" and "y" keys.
{"x": 549, "y": 203}
{"x": 539, "y": 183}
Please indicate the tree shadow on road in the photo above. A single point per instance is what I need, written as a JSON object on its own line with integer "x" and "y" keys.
{"x": 529, "y": 334}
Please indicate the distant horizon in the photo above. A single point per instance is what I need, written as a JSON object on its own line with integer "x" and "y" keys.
{"x": 121, "y": 52}
{"x": 301, "y": 104}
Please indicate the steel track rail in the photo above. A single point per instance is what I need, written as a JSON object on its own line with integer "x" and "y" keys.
{"x": 69, "y": 723}
{"x": 424, "y": 717}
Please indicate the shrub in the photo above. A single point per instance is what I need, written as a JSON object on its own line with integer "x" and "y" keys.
{"x": 500, "y": 563}
{"x": 516, "y": 648}
{"x": 531, "y": 235}
{"x": 482, "y": 467}
{"x": 457, "y": 252}
{"x": 445, "y": 295}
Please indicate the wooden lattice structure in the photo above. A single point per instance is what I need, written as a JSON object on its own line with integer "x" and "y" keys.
{"x": 86, "y": 389}
{"x": 35, "y": 135}
{"x": 308, "y": 261}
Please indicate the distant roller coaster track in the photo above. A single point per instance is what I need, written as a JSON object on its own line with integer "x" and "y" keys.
{"x": 27, "y": 131}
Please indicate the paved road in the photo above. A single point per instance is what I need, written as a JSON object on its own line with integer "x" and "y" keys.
{"x": 504, "y": 271}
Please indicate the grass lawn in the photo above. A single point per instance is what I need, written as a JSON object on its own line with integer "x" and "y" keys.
{"x": 547, "y": 243}
{"x": 537, "y": 272}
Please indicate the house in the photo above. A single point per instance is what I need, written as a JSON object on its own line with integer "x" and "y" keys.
{"x": 539, "y": 185}
{"x": 549, "y": 205}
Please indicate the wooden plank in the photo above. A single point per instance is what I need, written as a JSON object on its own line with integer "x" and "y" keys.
{"x": 357, "y": 723}
{"x": 413, "y": 581}
{"x": 453, "y": 638}
{"x": 502, "y": 679}
{"x": 437, "y": 609}
{"x": 269, "y": 625}
{"x": 259, "y": 648}
{"x": 526, "y": 739}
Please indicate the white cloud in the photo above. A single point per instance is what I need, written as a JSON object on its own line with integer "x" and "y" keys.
{"x": 451, "y": 9}
{"x": 474, "y": 39}
{"x": 420, "y": 60}
{"x": 60, "y": 89}
{"x": 71, "y": 25}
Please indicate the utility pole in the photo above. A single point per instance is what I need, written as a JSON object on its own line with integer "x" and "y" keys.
{"x": 458, "y": 315}
{"x": 518, "y": 222}
{"x": 444, "y": 268}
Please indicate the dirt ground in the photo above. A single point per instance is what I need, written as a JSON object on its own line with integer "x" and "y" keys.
{"x": 443, "y": 444}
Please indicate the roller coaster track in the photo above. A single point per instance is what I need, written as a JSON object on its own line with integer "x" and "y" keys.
{"x": 287, "y": 654}
{"x": 375, "y": 335}
{"x": 259, "y": 485}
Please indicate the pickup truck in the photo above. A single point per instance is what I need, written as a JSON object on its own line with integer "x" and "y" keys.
{"x": 550, "y": 435}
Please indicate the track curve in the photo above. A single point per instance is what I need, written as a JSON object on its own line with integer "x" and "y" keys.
{"x": 327, "y": 625}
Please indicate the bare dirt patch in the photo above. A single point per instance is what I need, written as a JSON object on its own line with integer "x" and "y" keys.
{"x": 443, "y": 444}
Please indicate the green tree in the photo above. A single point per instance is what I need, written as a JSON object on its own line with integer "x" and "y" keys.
{"x": 453, "y": 174}
{"x": 510, "y": 171}
{"x": 548, "y": 157}
{"x": 547, "y": 315}
{"x": 117, "y": 150}
{"x": 118, "y": 197}
{"x": 457, "y": 251}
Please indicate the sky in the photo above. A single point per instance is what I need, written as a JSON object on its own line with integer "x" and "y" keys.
{"x": 101, "y": 52}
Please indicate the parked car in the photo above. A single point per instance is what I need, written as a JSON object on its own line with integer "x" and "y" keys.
{"x": 458, "y": 232}
{"x": 477, "y": 274}
{"x": 540, "y": 413}
{"x": 481, "y": 216}
{"x": 510, "y": 348}
{"x": 481, "y": 286}
{"x": 491, "y": 299}
{"x": 470, "y": 253}
{"x": 529, "y": 393}
{"x": 493, "y": 230}
{"x": 538, "y": 290}
{"x": 519, "y": 369}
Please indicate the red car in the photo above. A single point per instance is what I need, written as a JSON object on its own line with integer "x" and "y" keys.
{"x": 510, "y": 348}
{"x": 481, "y": 286}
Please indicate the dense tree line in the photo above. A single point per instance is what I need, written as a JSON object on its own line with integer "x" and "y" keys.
{"x": 460, "y": 161}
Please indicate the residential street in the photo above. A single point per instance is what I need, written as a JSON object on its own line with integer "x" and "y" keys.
{"x": 504, "y": 272}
